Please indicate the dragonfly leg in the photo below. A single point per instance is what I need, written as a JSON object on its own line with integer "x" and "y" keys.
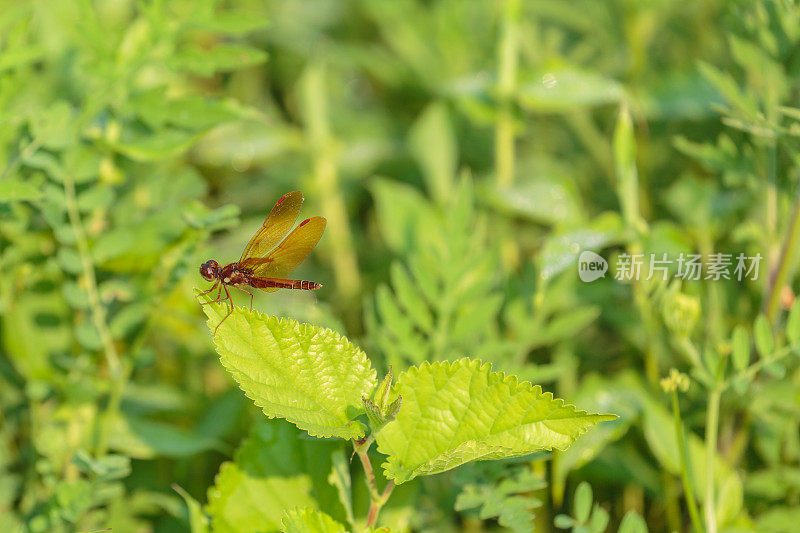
{"x": 214, "y": 286}
{"x": 216, "y": 299}
{"x": 230, "y": 310}
{"x": 248, "y": 292}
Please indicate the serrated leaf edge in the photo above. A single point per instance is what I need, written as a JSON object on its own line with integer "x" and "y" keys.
{"x": 517, "y": 387}
{"x": 355, "y": 427}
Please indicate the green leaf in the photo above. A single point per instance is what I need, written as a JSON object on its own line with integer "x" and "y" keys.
{"x": 765, "y": 342}
{"x": 307, "y": 520}
{"x": 146, "y": 439}
{"x": 432, "y": 143}
{"x": 509, "y": 501}
{"x": 544, "y": 197}
{"x": 128, "y": 318}
{"x": 12, "y": 190}
{"x": 740, "y": 348}
{"x": 562, "y": 521}
{"x": 28, "y": 343}
{"x": 156, "y": 146}
{"x": 106, "y": 468}
{"x": 232, "y": 22}
{"x": 599, "y": 520}
{"x": 627, "y": 174}
{"x": 53, "y": 126}
{"x": 793, "y": 324}
{"x": 403, "y": 214}
{"x": 779, "y": 519}
{"x": 192, "y": 112}
{"x": 562, "y": 248}
{"x": 632, "y": 523}
{"x": 311, "y": 376}
{"x": 462, "y": 411}
{"x": 660, "y": 436}
{"x": 729, "y": 500}
{"x": 20, "y": 56}
{"x": 70, "y": 260}
{"x": 273, "y": 471}
{"x": 582, "y": 506}
{"x": 224, "y": 57}
{"x": 562, "y": 88}
{"x": 603, "y": 395}
{"x": 198, "y": 522}
{"x": 340, "y": 478}
{"x": 95, "y": 198}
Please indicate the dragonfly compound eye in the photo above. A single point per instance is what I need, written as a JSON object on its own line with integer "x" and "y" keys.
{"x": 209, "y": 269}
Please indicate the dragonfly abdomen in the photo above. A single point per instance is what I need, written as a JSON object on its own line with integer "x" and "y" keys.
{"x": 266, "y": 283}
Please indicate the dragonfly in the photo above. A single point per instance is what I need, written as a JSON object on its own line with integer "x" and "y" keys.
{"x": 265, "y": 264}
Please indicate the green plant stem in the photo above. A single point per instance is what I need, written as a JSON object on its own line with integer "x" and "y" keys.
{"x": 116, "y": 372}
{"x": 326, "y": 180}
{"x": 672, "y": 508}
{"x": 595, "y": 141}
{"x": 654, "y": 348}
{"x": 749, "y": 372}
{"x": 376, "y": 505}
{"x": 97, "y": 310}
{"x": 712, "y": 426}
{"x": 691, "y": 503}
{"x": 781, "y": 272}
{"x": 713, "y": 314}
{"x": 25, "y": 153}
{"x": 377, "y": 499}
{"x": 690, "y": 350}
{"x": 508, "y": 59}
{"x": 362, "y": 450}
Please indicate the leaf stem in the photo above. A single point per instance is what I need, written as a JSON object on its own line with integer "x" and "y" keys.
{"x": 691, "y": 503}
{"x": 362, "y": 450}
{"x": 117, "y": 374}
{"x": 712, "y": 423}
{"x": 25, "y": 153}
{"x": 508, "y": 57}
{"x": 751, "y": 370}
{"x": 98, "y": 312}
{"x": 375, "y": 505}
{"x": 326, "y": 177}
{"x": 779, "y": 275}
{"x": 377, "y": 499}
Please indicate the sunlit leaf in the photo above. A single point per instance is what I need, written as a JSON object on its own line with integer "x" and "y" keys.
{"x": 312, "y": 377}
{"x": 308, "y": 520}
{"x": 53, "y": 127}
{"x": 562, "y": 248}
{"x": 562, "y": 88}
{"x": 146, "y": 439}
{"x": 160, "y": 145}
{"x": 233, "y": 22}
{"x": 762, "y": 332}
{"x": 509, "y": 501}
{"x": 740, "y": 345}
{"x": 793, "y": 324}
{"x": 433, "y": 144}
{"x": 462, "y": 411}
{"x": 221, "y": 58}
{"x": 198, "y": 522}
{"x": 15, "y": 191}
{"x": 274, "y": 470}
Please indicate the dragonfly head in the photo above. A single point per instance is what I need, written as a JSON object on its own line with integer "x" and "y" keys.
{"x": 209, "y": 269}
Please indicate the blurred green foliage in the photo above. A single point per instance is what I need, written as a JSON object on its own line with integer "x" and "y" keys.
{"x": 464, "y": 153}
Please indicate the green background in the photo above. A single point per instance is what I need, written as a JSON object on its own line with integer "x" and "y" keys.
{"x": 463, "y": 153}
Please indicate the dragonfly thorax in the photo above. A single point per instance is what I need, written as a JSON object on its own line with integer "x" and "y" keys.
{"x": 233, "y": 274}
